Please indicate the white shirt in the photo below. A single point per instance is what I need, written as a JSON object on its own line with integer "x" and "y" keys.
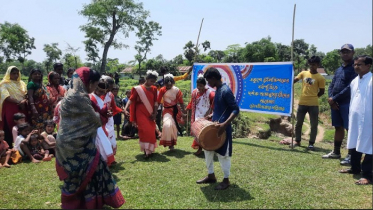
{"x": 360, "y": 115}
{"x": 17, "y": 143}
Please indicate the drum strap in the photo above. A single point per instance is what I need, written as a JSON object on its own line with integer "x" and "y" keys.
{"x": 174, "y": 114}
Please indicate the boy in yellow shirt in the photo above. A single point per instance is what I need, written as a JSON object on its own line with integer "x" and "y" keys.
{"x": 313, "y": 86}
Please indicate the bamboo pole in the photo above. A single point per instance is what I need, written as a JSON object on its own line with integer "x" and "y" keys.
{"x": 195, "y": 56}
{"x": 292, "y": 59}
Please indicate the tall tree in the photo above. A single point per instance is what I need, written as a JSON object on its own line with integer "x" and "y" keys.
{"x": 15, "y": 43}
{"x": 107, "y": 18}
{"x": 218, "y": 55}
{"x": 178, "y": 59}
{"x": 72, "y": 51}
{"x": 53, "y": 54}
{"x": 189, "y": 51}
{"x": 232, "y": 53}
{"x": 283, "y": 52}
{"x": 331, "y": 61}
{"x": 147, "y": 34}
{"x": 259, "y": 51}
{"x": 301, "y": 54}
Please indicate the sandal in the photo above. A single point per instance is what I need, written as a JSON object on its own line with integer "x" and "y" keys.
{"x": 348, "y": 171}
{"x": 363, "y": 181}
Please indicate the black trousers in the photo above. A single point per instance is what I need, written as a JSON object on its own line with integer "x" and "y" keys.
{"x": 159, "y": 118}
{"x": 366, "y": 166}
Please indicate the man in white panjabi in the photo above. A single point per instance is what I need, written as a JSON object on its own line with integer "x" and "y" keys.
{"x": 359, "y": 138}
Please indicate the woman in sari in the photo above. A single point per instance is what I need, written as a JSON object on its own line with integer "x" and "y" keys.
{"x": 38, "y": 100}
{"x": 143, "y": 112}
{"x": 102, "y": 142}
{"x": 12, "y": 100}
{"x": 88, "y": 183}
{"x": 109, "y": 100}
{"x": 56, "y": 91}
{"x": 171, "y": 97}
{"x": 201, "y": 104}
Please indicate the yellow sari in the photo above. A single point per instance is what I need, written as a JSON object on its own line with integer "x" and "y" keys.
{"x": 16, "y": 89}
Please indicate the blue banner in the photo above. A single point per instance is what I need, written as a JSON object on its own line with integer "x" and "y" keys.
{"x": 258, "y": 87}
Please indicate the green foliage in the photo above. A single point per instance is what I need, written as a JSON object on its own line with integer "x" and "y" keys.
{"x": 218, "y": 55}
{"x": 364, "y": 51}
{"x": 53, "y": 53}
{"x": 331, "y": 61}
{"x": 259, "y": 51}
{"x": 107, "y": 18}
{"x": 233, "y": 53}
{"x": 15, "y": 43}
{"x": 147, "y": 34}
{"x": 189, "y": 52}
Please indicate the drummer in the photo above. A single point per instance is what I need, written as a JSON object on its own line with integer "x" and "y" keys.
{"x": 225, "y": 110}
{"x": 201, "y": 104}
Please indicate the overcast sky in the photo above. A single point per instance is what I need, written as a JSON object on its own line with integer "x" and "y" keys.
{"x": 328, "y": 24}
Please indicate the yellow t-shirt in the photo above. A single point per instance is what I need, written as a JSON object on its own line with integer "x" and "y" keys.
{"x": 311, "y": 83}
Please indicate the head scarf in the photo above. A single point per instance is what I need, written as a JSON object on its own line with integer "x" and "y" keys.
{"x": 16, "y": 89}
{"x": 83, "y": 73}
{"x": 78, "y": 125}
{"x": 7, "y": 79}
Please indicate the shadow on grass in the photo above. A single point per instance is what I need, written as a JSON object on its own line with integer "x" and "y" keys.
{"x": 232, "y": 194}
{"x": 114, "y": 168}
{"x": 157, "y": 157}
{"x": 176, "y": 153}
{"x": 286, "y": 148}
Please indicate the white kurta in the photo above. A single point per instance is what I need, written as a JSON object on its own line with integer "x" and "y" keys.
{"x": 360, "y": 116}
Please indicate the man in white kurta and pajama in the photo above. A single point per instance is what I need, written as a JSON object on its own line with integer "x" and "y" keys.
{"x": 359, "y": 138}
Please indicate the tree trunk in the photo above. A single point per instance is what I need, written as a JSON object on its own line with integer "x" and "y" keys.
{"x": 108, "y": 43}
{"x": 140, "y": 68}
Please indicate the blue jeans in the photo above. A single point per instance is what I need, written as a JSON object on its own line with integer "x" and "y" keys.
{"x": 313, "y": 112}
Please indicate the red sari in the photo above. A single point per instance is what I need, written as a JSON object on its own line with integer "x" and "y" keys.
{"x": 140, "y": 114}
{"x": 54, "y": 94}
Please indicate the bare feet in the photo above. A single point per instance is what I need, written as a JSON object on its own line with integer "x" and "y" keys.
{"x": 362, "y": 181}
{"x": 47, "y": 159}
{"x": 6, "y": 165}
{"x": 35, "y": 161}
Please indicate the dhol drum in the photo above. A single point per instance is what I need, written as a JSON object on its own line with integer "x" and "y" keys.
{"x": 207, "y": 134}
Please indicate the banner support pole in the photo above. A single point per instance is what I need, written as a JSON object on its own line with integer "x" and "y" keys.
{"x": 292, "y": 59}
{"x": 195, "y": 56}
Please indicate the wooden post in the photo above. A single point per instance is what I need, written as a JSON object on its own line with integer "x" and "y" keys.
{"x": 195, "y": 56}
{"x": 292, "y": 59}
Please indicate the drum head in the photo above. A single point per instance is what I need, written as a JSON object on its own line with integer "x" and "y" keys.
{"x": 209, "y": 139}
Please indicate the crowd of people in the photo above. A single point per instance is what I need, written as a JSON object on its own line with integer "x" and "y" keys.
{"x": 74, "y": 120}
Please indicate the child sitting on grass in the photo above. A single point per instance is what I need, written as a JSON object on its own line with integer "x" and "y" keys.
{"x": 37, "y": 150}
{"x": 5, "y": 152}
{"x": 18, "y": 118}
{"x": 22, "y": 141}
{"x": 48, "y": 140}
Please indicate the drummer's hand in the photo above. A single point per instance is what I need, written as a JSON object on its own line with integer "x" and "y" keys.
{"x": 221, "y": 128}
{"x": 153, "y": 116}
{"x": 208, "y": 117}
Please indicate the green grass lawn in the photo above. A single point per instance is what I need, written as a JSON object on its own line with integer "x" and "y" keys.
{"x": 264, "y": 174}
